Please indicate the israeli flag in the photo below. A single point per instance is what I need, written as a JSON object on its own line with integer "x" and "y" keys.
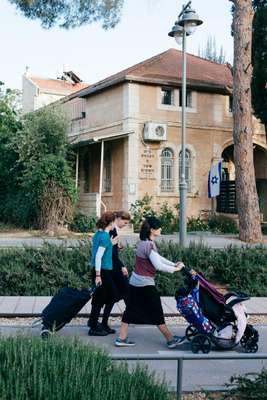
{"x": 215, "y": 180}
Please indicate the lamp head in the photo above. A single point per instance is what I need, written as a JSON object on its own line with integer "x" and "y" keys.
{"x": 189, "y": 21}
{"x": 177, "y": 33}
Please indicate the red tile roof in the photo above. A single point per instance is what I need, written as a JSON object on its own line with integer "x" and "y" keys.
{"x": 57, "y": 85}
{"x": 167, "y": 67}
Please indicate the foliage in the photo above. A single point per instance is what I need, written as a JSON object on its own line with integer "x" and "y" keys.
{"x": 41, "y": 272}
{"x": 167, "y": 215}
{"x": 215, "y": 224}
{"x": 259, "y": 61}
{"x": 251, "y": 386}
{"x": 36, "y": 186}
{"x": 168, "y": 218}
{"x": 222, "y": 224}
{"x": 83, "y": 223}
{"x": 46, "y": 174}
{"x": 9, "y": 126}
{"x": 6, "y": 227}
{"x": 61, "y": 369}
{"x": 210, "y": 51}
{"x": 70, "y": 14}
{"x": 195, "y": 224}
{"x": 141, "y": 209}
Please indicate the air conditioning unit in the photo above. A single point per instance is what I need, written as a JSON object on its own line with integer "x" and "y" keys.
{"x": 155, "y": 131}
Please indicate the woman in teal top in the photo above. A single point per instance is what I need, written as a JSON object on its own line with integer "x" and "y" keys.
{"x": 101, "y": 263}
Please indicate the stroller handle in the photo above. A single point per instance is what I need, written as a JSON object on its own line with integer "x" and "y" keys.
{"x": 189, "y": 271}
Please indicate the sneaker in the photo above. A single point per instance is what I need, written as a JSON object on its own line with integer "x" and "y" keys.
{"x": 123, "y": 342}
{"x": 176, "y": 341}
{"x": 109, "y": 330}
{"x": 98, "y": 331}
{"x": 99, "y": 325}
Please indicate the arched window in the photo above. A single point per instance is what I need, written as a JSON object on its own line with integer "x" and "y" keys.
{"x": 167, "y": 181}
{"x": 188, "y": 168}
{"x": 107, "y": 171}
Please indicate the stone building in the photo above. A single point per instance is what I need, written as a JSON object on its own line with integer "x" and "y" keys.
{"x": 126, "y": 130}
{"x": 38, "y": 92}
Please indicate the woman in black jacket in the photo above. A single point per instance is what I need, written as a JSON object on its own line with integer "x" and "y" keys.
{"x": 120, "y": 272}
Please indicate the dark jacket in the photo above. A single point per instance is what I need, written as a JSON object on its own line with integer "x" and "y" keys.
{"x": 117, "y": 264}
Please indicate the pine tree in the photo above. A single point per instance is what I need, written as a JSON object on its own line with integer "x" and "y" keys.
{"x": 246, "y": 193}
{"x": 70, "y": 14}
{"x": 210, "y": 51}
{"x": 259, "y": 61}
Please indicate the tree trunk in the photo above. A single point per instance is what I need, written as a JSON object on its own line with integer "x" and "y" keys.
{"x": 246, "y": 193}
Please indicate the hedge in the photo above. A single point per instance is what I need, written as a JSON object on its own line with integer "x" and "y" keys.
{"x": 251, "y": 386}
{"x": 41, "y": 272}
{"x": 57, "y": 369}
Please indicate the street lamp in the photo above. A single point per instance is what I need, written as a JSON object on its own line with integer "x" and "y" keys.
{"x": 186, "y": 25}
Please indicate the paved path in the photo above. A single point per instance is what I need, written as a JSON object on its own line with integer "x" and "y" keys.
{"x": 214, "y": 241}
{"x": 196, "y": 374}
{"x": 28, "y": 306}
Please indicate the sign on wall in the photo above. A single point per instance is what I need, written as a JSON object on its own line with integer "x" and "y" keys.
{"x": 147, "y": 165}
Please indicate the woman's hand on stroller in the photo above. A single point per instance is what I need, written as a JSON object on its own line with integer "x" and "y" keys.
{"x": 179, "y": 265}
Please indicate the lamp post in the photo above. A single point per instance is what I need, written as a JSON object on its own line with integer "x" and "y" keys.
{"x": 186, "y": 25}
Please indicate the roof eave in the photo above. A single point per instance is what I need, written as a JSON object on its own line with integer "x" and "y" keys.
{"x": 193, "y": 84}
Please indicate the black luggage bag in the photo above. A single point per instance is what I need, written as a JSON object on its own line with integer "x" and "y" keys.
{"x": 64, "y": 306}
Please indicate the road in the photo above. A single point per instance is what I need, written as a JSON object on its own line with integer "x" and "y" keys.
{"x": 208, "y": 375}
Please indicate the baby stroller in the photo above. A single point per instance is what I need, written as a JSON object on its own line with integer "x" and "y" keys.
{"x": 214, "y": 318}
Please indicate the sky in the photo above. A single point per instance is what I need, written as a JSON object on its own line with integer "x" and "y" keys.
{"x": 94, "y": 53}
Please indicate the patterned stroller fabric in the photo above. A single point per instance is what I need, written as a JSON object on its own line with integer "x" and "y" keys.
{"x": 190, "y": 310}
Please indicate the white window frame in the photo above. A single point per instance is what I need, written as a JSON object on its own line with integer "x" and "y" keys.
{"x": 166, "y": 88}
{"x": 167, "y": 181}
{"x": 192, "y": 187}
{"x": 175, "y": 106}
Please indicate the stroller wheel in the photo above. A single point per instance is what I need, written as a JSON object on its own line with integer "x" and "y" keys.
{"x": 190, "y": 332}
{"x": 250, "y": 339}
{"x": 45, "y": 333}
{"x": 201, "y": 343}
{"x": 251, "y": 348}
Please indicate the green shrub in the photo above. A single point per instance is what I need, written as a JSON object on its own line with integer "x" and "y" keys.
{"x": 58, "y": 369}
{"x": 252, "y": 386}
{"x": 167, "y": 215}
{"x": 168, "y": 218}
{"x": 83, "y": 223}
{"x": 141, "y": 209}
{"x": 195, "y": 224}
{"x": 41, "y": 272}
{"x": 242, "y": 268}
{"x": 222, "y": 224}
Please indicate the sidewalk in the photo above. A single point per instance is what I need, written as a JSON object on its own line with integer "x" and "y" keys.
{"x": 32, "y": 306}
{"x": 205, "y": 238}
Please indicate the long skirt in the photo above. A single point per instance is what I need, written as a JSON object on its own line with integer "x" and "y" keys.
{"x": 143, "y": 306}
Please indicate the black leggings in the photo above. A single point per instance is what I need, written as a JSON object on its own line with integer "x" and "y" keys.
{"x": 107, "y": 293}
{"x": 122, "y": 285}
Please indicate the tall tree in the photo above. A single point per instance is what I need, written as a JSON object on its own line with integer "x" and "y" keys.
{"x": 46, "y": 181}
{"x": 246, "y": 193}
{"x": 9, "y": 126}
{"x": 211, "y": 53}
{"x": 259, "y": 61}
{"x": 71, "y": 13}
